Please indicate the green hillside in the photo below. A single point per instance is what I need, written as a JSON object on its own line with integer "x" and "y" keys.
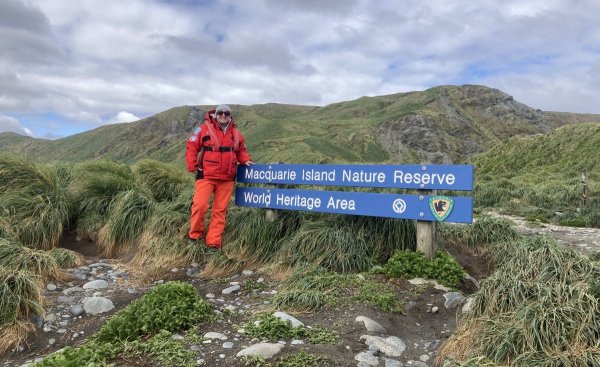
{"x": 446, "y": 124}
{"x": 539, "y": 176}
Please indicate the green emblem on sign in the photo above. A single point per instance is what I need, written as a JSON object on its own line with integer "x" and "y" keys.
{"x": 441, "y": 207}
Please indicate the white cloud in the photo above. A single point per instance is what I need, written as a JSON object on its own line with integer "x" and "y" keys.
{"x": 123, "y": 116}
{"x": 11, "y": 124}
{"x": 83, "y": 63}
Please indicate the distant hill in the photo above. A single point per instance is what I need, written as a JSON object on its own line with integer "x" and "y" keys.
{"x": 567, "y": 152}
{"x": 446, "y": 124}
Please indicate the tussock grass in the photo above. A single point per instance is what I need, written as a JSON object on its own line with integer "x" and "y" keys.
{"x": 34, "y": 207}
{"x": 163, "y": 180}
{"x": 485, "y": 231}
{"x": 537, "y": 309}
{"x": 94, "y": 187}
{"x": 20, "y": 299}
{"x": 251, "y": 237}
{"x": 66, "y": 259}
{"x": 15, "y": 257}
{"x": 127, "y": 217}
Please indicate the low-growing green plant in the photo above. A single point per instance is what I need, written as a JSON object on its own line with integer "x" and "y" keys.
{"x": 411, "y": 264}
{"x": 268, "y": 326}
{"x": 171, "y": 306}
{"x": 302, "y": 359}
{"x": 379, "y": 295}
{"x": 163, "y": 349}
{"x": 271, "y": 327}
{"x": 90, "y": 355}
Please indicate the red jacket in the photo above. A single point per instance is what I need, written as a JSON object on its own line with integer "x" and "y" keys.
{"x": 217, "y": 159}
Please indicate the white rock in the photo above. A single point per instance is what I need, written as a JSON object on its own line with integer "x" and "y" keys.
{"x": 96, "y": 284}
{"x": 371, "y": 325}
{"x": 247, "y": 272}
{"x": 213, "y": 335}
{"x": 297, "y": 342}
{"x": 231, "y": 289}
{"x": 96, "y": 305}
{"x": 424, "y": 358}
{"x": 227, "y": 345}
{"x": 453, "y": 299}
{"x": 284, "y": 316}
{"x": 468, "y": 306}
{"x": 391, "y": 346}
{"x": 264, "y": 350}
{"x": 51, "y": 287}
{"x": 434, "y": 309}
{"x": 367, "y": 358}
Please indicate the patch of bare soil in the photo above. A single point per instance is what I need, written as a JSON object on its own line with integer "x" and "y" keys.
{"x": 421, "y": 329}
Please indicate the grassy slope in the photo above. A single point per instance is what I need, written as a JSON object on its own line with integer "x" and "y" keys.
{"x": 454, "y": 121}
{"x": 566, "y": 151}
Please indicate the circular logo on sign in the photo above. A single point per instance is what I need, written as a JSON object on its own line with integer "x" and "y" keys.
{"x": 399, "y": 206}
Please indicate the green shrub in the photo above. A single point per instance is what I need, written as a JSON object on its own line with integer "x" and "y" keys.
{"x": 411, "y": 264}
{"x": 170, "y": 307}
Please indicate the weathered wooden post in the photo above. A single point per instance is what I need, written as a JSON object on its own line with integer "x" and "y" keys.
{"x": 426, "y": 231}
{"x": 584, "y": 182}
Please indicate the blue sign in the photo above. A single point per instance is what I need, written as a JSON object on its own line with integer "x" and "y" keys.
{"x": 452, "y": 209}
{"x": 427, "y": 177}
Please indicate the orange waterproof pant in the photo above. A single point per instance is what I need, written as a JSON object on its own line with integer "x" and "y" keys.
{"x": 204, "y": 188}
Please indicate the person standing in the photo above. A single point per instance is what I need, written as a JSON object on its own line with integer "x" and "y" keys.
{"x": 212, "y": 153}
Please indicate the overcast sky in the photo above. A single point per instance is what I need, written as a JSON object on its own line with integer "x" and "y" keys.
{"x": 67, "y": 66}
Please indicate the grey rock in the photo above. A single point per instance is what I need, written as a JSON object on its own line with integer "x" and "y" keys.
{"x": 96, "y": 284}
{"x": 424, "y": 357}
{"x": 417, "y": 364}
{"x": 71, "y": 290}
{"x": 76, "y": 310}
{"x": 285, "y": 317}
{"x": 264, "y": 350}
{"x": 51, "y": 341}
{"x": 38, "y": 321}
{"x": 228, "y": 345}
{"x": 371, "y": 325}
{"x": 297, "y": 342}
{"x": 51, "y": 287}
{"x": 247, "y": 272}
{"x": 367, "y": 358}
{"x": 131, "y": 290}
{"x": 79, "y": 275}
{"x": 214, "y": 335}
{"x": 468, "y": 306}
{"x": 453, "y": 299}
{"x": 65, "y": 299}
{"x": 231, "y": 289}
{"x": 191, "y": 272}
{"x": 97, "y": 305}
{"x": 391, "y": 346}
{"x": 392, "y": 363}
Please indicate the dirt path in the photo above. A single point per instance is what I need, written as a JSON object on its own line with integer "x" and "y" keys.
{"x": 584, "y": 240}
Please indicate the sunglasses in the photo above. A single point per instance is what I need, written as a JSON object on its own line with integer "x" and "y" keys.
{"x": 226, "y": 113}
